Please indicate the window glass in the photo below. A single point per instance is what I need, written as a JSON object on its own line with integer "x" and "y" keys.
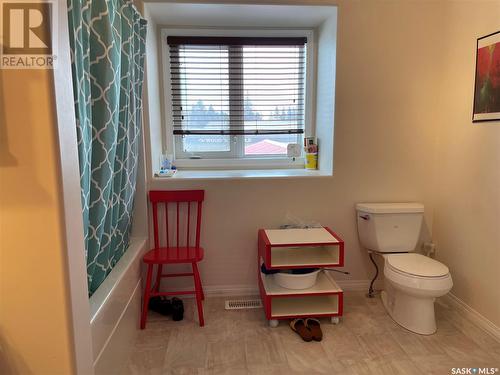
{"x": 237, "y": 100}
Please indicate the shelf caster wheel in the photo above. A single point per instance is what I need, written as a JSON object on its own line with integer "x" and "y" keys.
{"x": 273, "y": 323}
{"x": 335, "y": 320}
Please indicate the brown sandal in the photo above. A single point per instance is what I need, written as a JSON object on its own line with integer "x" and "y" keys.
{"x": 299, "y": 326}
{"x": 314, "y": 327}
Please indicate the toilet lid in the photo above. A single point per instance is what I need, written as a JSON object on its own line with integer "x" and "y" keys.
{"x": 418, "y": 265}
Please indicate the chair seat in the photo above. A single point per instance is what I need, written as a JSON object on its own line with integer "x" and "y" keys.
{"x": 165, "y": 255}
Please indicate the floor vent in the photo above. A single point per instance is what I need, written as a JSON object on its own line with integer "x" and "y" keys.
{"x": 241, "y": 304}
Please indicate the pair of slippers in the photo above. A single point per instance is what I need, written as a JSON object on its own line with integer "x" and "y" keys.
{"x": 163, "y": 306}
{"x": 308, "y": 329}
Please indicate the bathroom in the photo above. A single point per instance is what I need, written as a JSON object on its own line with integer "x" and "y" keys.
{"x": 401, "y": 108}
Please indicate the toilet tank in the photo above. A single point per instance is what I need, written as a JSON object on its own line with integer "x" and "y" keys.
{"x": 389, "y": 227}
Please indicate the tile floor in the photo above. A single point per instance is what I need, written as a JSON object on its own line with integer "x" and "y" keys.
{"x": 367, "y": 341}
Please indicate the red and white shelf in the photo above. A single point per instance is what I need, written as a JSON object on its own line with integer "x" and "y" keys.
{"x": 300, "y": 248}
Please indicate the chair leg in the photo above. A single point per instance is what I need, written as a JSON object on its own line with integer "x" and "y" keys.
{"x": 198, "y": 280}
{"x": 199, "y": 291}
{"x": 158, "y": 277}
{"x": 147, "y": 292}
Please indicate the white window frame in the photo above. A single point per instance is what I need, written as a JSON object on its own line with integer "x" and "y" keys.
{"x": 220, "y": 160}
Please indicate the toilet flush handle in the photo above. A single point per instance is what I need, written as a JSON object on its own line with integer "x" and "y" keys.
{"x": 365, "y": 217}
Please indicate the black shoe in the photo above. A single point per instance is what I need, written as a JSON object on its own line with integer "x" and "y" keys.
{"x": 161, "y": 305}
{"x": 165, "y": 306}
{"x": 177, "y": 309}
{"x": 154, "y": 303}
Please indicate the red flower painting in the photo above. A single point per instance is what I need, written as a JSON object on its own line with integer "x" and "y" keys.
{"x": 487, "y": 88}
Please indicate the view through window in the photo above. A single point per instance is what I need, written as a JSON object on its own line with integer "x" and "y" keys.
{"x": 237, "y": 100}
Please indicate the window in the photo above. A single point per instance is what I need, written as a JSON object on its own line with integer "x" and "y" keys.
{"x": 237, "y": 97}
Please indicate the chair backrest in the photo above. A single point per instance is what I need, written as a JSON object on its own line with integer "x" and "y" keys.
{"x": 177, "y": 198}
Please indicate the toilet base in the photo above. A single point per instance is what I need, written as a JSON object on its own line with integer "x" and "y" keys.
{"x": 416, "y": 314}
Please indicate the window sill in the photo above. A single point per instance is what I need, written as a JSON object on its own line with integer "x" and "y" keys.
{"x": 258, "y": 163}
{"x": 244, "y": 174}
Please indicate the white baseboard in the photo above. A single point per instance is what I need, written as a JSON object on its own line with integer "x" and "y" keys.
{"x": 471, "y": 314}
{"x": 354, "y": 285}
{"x": 253, "y": 290}
{"x": 231, "y": 290}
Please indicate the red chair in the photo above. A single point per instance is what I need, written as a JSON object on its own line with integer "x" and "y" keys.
{"x": 174, "y": 252}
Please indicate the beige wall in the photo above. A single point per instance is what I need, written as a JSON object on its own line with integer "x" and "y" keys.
{"x": 402, "y": 132}
{"x": 34, "y": 316}
{"x": 152, "y": 113}
{"x": 385, "y": 134}
{"x": 467, "y": 187}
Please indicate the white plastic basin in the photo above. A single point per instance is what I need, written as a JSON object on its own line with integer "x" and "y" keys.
{"x": 296, "y": 281}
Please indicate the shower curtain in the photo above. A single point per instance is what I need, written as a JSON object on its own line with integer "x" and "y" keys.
{"x": 107, "y": 40}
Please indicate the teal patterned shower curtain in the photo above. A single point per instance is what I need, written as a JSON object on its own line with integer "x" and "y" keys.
{"x": 107, "y": 40}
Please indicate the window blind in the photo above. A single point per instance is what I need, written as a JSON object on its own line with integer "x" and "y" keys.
{"x": 237, "y": 86}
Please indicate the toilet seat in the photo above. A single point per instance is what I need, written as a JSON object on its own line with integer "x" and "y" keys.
{"x": 416, "y": 265}
{"x": 418, "y": 285}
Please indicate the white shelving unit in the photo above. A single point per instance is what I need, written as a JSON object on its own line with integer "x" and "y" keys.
{"x": 324, "y": 284}
{"x": 300, "y": 248}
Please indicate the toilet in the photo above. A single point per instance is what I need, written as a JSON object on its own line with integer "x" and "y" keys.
{"x": 412, "y": 281}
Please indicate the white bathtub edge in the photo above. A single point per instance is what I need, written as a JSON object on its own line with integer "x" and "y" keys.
{"x": 98, "y": 363}
{"x": 117, "y": 297}
{"x": 106, "y": 289}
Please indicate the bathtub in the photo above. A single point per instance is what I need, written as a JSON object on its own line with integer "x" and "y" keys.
{"x": 114, "y": 311}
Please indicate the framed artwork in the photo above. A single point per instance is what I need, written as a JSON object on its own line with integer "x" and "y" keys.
{"x": 487, "y": 84}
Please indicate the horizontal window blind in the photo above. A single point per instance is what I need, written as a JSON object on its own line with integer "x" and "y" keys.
{"x": 237, "y": 86}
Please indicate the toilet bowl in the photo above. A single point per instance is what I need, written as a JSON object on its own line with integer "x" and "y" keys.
{"x": 412, "y": 281}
